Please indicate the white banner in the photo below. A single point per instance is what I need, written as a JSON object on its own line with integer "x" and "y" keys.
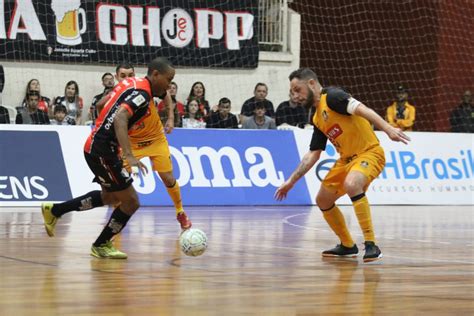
{"x": 44, "y": 163}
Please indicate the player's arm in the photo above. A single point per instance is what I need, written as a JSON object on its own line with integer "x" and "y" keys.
{"x": 318, "y": 144}
{"x": 393, "y": 133}
{"x": 169, "y": 125}
{"x": 121, "y": 132}
{"x": 343, "y": 103}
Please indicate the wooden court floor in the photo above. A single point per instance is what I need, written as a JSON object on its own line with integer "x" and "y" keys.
{"x": 260, "y": 261}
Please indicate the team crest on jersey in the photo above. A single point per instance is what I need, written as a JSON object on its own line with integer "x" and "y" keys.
{"x": 364, "y": 164}
{"x": 334, "y": 132}
{"x": 139, "y": 100}
{"x": 325, "y": 115}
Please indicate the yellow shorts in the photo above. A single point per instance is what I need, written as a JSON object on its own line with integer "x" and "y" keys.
{"x": 159, "y": 154}
{"x": 370, "y": 163}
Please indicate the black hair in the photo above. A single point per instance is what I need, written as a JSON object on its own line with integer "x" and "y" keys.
{"x": 32, "y": 94}
{"x": 124, "y": 65}
{"x": 260, "y": 84}
{"x": 107, "y": 74}
{"x": 224, "y": 100}
{"x": 303, "y": 74}
{"x": 161, "y": 64}
{"x": 260, "y": 105}
{"x": 60, "y": 108}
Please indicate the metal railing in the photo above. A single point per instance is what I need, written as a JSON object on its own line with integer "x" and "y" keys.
{"x": 273, "y": 25}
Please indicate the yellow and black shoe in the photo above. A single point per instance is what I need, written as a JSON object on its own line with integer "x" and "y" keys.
{"x": 107, "y": 251}
{"x": 49, "y": 219}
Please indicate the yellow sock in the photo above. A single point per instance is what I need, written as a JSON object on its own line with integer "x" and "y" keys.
{"x": 337, "y": 223}
{"x": 175, "y": 195}
{"x": 362, "y": 210}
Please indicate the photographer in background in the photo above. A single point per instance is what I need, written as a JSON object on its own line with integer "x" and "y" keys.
{"x": 401, "y": 114}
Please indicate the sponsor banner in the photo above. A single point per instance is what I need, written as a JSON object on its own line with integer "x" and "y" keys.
{"x": 32, "y": 167}
{"x": 433, "y": 169}
{"x": 189, "y": 33}
{"x": 234, "y": 167}
{"x": 227, "y": 167}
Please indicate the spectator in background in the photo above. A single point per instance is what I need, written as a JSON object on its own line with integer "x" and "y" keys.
{"x": 163, "y": 109}
{"x": 122, "y": 71}
{"x": 61, "y": 117}
{"x": 71, "y": 100}
{"x": 4, "y": 115}
{"x": 222, "y": 118}
{"x": 401, "y": 114}
{"x": 179, "y": 106}
{"x": 260, "y": 95}
{"x": 198, "y": 93}
{"x": 193, "y": 118}
{"x": 291, "y": 113}
{"x": 462, "y": 117}
{"x": 108, "y": 83}
{"x": 31, "y": 114}
{"x": 259, "y": 120}
{"x": 44, "y": 103}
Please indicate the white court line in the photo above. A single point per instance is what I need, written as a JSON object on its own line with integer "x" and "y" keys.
{"x": 285, "y": 220}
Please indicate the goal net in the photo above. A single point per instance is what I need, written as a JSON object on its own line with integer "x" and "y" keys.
{"x": 371, "y": 47}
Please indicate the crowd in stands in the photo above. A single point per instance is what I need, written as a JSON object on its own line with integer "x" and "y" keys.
{"x": 257, "y": 112}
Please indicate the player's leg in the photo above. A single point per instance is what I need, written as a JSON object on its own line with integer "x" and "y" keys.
{"x": 330, "y": 191}
{"x": 160, "y": 157}
{"x": 364, "y": 169}
{"x": 53, "y": 211}
{"x": 103, "y": 247}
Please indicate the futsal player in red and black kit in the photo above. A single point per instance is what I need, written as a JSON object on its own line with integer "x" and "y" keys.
{"x": 128, "y": 104}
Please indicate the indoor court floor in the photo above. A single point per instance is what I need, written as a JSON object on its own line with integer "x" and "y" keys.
{"x": 260, "y": 261}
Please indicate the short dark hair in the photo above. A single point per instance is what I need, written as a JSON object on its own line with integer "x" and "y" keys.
{"x": 107, "y": 74}
{"x": 224, "y": 100}
{"x": 260, "y": 105}
{"x": 303, "y": 74}
{"x": 60, "y": 108}
{"x": 160, "y": 64}
{"x": 260, "y": 84}
{"x": 174, "y": 83}
{"x": 124, "y": 65}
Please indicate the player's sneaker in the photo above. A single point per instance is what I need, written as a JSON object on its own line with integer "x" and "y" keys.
{"x": 184, "y": 220}
{"x": 49, "y": 219}
{"x": 107, "y": 251}
{"x": 372, "y": 252}
{"x": 342, "y": 251}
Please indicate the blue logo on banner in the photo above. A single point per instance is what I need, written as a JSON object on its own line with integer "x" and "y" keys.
{"x": 32, "y": 167}
{"x": 228, "y": 167}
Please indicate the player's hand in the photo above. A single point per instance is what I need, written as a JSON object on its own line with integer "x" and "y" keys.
{"x": 136, "y": 165}
{"x": 169, "y": 125}
{"x": 282, "y": 191}
{"x": 397, "y": 135}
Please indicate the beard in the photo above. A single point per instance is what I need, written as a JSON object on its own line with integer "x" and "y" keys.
{"x": 310, "y": 99}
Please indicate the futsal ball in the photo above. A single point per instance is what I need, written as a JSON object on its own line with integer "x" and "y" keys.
{"x": 193, "y": 242}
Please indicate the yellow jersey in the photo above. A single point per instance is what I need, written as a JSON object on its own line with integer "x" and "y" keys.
{"x": 147, "y": 130}
{"x": 350, "y": 134}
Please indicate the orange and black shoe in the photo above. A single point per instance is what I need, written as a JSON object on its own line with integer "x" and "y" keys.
{"x": 184, "y": 220}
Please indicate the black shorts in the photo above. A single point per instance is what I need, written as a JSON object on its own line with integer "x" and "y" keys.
{"x": 109, "y": 172}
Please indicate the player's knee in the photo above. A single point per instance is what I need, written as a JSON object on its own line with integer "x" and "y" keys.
{"x": 168, "y": 179}
{"x": 321, "y": 202}
{"x": 352, "y": 186}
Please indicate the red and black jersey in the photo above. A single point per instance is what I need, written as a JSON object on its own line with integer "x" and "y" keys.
{"x": 132, "y": 93}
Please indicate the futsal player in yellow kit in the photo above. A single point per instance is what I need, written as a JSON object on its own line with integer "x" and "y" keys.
{"x": 346, "y": 123}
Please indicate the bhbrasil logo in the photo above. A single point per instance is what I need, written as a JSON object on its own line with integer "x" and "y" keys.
{"x": 410, "y": 165}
